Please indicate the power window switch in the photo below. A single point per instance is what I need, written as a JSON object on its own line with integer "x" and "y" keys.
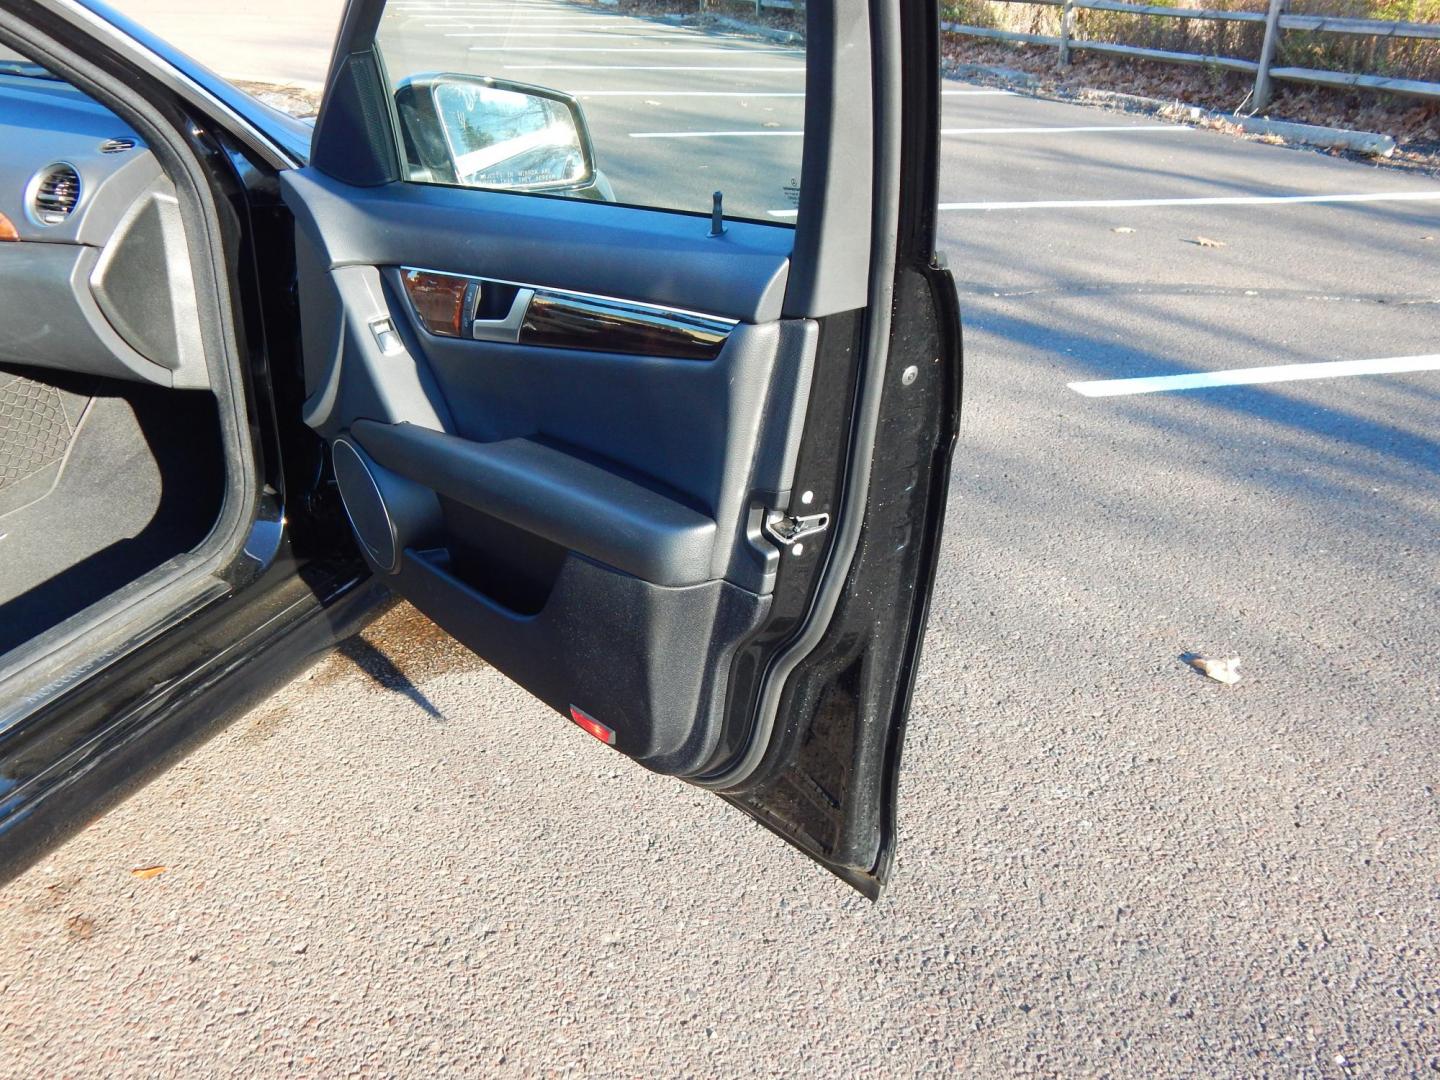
{"x": 386, "y": 337}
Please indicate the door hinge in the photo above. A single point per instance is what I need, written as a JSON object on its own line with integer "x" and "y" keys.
{"x": 785, "y": 529}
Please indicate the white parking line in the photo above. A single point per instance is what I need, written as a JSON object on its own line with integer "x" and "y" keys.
{"x": 707, "y": 134}
{"x": 689, "y": 93}
{"x": 1201, "y": 200}
{"x": 598, "y": 27}
{"x": 649, "y": 67}
{"x": 462, "y": 11}
{"x": 445, "y": 22}
{"x": 668, "y": 50}
{"x": 1200, "y": 380}
{"x": 580, "y": 35}
{"x": 943, "y": 131}
{"x": 493, "y": 14}
{"x": 1078, "y": 130}
{"x": 524, "y": 29}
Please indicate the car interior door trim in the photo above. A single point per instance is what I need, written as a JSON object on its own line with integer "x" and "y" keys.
{"x": 492, "y": 309}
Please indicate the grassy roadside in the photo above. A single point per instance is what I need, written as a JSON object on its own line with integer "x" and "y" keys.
{"x": 1415, "y": 125}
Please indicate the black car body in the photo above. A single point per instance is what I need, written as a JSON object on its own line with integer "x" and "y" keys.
{"x": 757, "y": 636}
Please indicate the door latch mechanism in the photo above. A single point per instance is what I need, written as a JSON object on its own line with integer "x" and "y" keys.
{"x": 785, "y": 529}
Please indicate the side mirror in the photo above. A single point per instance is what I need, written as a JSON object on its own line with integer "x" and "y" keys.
{"x": 476, "y": 131}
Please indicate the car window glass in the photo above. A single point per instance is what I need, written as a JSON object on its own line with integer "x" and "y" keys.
{"x": 656, "y": 108}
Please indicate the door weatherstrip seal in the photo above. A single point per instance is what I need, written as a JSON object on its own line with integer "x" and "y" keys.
{"x": 856, "y": 489}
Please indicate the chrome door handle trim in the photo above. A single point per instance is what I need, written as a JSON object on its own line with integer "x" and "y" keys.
{"x": 508, "y": 328}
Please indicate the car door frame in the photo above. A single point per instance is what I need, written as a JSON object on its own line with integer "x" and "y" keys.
{"x": 896, "y": 153}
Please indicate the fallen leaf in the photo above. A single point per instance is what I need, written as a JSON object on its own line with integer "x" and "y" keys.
{"x": 81, "y": 926}
{"x": 1427, "y": 238}
{"x": 1226, "y": 671}
{"x": 1205, "y": 241}
{"x": 147, "y": 871}
{"x": 1123, "y": 229}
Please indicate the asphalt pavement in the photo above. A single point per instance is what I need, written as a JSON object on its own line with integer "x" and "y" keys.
{"x": 1109, "y": 865}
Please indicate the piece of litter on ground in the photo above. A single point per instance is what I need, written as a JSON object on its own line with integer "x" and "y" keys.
{"x": 147, "y": 871}
{"x": 1226, "y": 670}
{"x": 1205, "y": 241}
{"x": 1123, "y": 229}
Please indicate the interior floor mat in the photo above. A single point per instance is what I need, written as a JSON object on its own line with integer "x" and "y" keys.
{"x": 142, "y": 481}
{"x": 38, "y": 422}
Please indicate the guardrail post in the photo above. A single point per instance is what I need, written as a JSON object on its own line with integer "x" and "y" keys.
{"x": 1261, "y": 97}
{"x": 1067, "y": 27}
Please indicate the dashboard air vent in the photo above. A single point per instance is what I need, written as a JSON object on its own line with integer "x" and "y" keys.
{"x": 55, "y": 191}
{"x": 115, "y": 146}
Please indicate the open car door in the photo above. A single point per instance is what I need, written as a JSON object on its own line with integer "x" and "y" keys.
{"x": 679, "y": 473}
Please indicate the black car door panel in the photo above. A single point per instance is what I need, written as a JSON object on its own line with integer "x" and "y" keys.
{"x": 627, "y": 252}
{"x": 680, "y": 475}
{"x": 556, "y": 495}
{"x": 646, "y": 461}
{"x": 589, "y": 521}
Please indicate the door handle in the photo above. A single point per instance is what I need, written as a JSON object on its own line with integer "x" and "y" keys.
{"x": 506, "y": 329}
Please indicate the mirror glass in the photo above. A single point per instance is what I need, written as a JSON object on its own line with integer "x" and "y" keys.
{"x": 505, "y": 138}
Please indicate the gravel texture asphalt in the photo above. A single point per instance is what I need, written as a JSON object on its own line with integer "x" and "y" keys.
{"x": 401, "y": 864}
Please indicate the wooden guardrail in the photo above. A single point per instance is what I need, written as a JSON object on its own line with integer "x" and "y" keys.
{"x": 1276, "y": 21}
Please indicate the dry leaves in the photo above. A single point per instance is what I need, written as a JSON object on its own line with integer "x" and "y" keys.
{"x": 1123, "y": 229}
{"x": 1410, "y": 121}
{"x": 81, "y": 926}
{"x": 1205, "y": 241}
{"x": 144, "y": 872}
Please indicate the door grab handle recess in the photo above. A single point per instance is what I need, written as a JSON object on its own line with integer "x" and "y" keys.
{"x": 508, "y": 328}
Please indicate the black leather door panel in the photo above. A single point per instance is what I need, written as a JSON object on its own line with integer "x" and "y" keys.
{"x": 556, "y": 496}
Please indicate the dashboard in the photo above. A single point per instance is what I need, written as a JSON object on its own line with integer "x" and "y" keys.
{"x": 94, "y": 267}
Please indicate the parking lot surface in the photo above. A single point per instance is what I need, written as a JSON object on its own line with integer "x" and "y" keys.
{"x": 1109, "y": 865}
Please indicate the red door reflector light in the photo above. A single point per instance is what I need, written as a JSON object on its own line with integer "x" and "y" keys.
{"x": 593, "y": 726}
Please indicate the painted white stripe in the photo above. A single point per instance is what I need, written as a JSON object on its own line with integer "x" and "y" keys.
{"x": 1211, "y": 200}
{"x": 491, "y": 11}
{"x": 502, "y": 34}
{"x": 547, "y": 21}
{"x": 944, "y": 131}
{"x": 708, "y": 134}
{"x": 689, "y": 93}
{"x": 565, "y": 35}
{"x": 650, "y": 67}
{"x": 453, "y": 13}
{"x": 1201, "y": 380}
{"x": 595, "y": 26}
{"x": 668, "y": 50}
{"x": 1081, "y": 130}
{"x": 733, "y": 94}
